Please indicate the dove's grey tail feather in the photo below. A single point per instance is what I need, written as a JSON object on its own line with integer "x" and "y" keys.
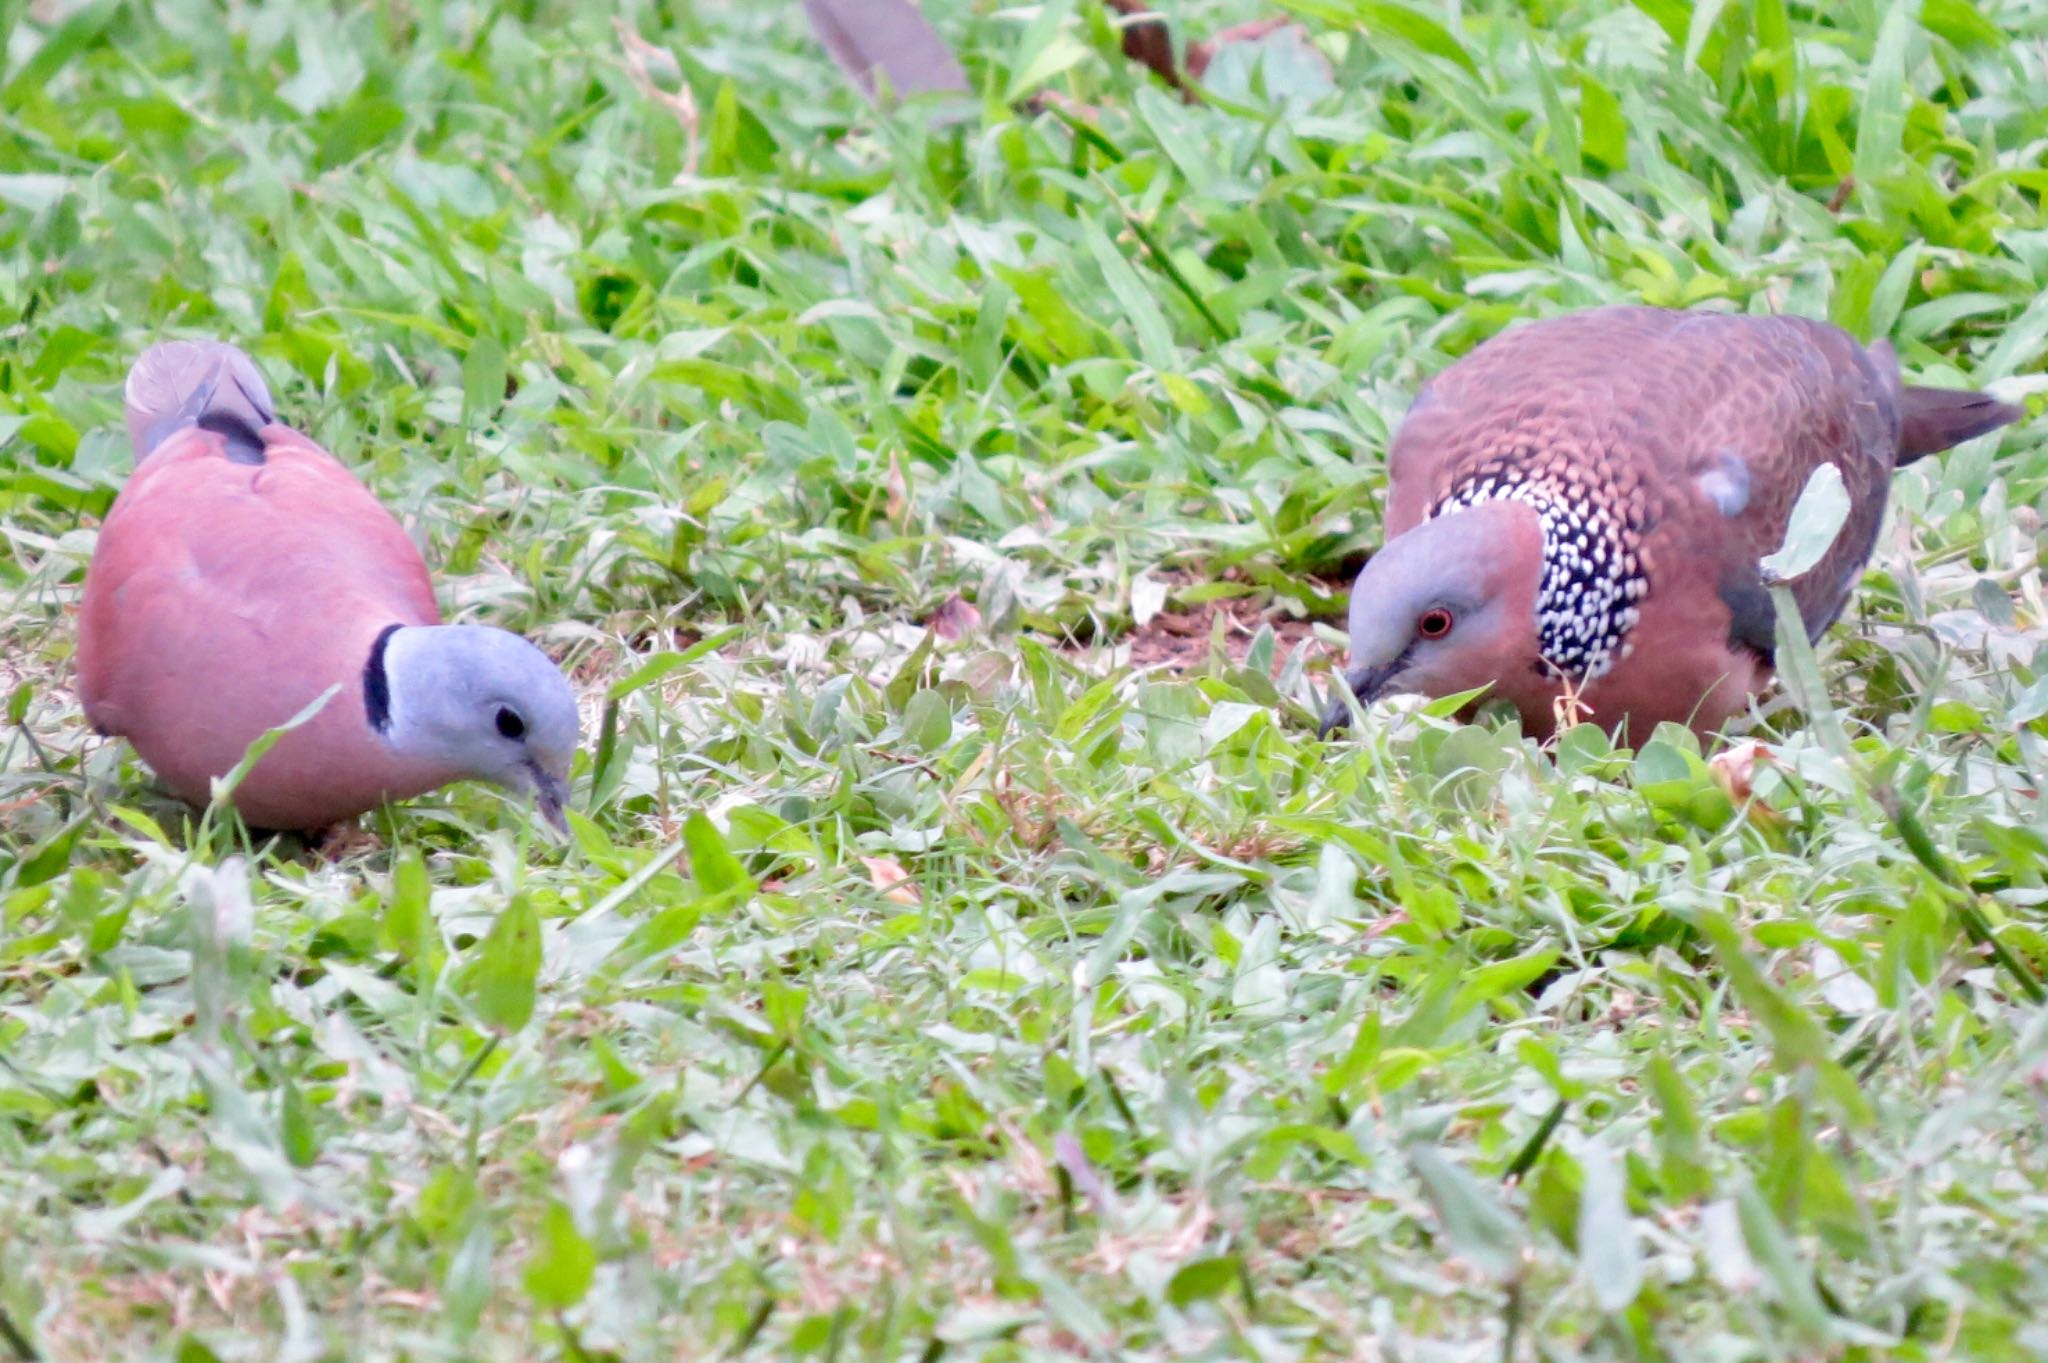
{"x": 208, "y": 384}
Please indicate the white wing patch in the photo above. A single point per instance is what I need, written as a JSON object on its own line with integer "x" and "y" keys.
{"x": 1725, "y": 483}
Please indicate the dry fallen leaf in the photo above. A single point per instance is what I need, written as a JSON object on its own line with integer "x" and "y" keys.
{"x": 1569, "y": 708}
{"x": 887, "y": 875}
{"x": 956, "y": 618}
{"x": 1386, "y": 923}
{"x": 648, "y": 66}
{"x": 1202, "y": 53}
{"x": 1735, "y": 770}
{"x": 899, "y": 490}
{"x": 1074, "y": 1160}
{"x": 1148, "y": 598}
{"x": 1148, "y": 42}
{"x": 343, "y": 840}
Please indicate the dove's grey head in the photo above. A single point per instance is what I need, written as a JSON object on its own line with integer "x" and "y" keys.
{"x": 1448, "y": 606}
{"x": 479, "y": 702}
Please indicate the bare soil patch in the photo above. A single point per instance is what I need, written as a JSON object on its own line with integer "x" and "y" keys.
{"x": 1178, "y": 636}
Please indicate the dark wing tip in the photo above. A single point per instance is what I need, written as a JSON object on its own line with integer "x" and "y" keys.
{"x": 1936, "y": 419}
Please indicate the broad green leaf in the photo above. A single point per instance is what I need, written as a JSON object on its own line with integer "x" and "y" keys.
{"x": 1603, "y": 129}
{"x": 1881, "y": 125}
{"x": 1816, "y": 520}
{"x": 1046, "y": 48}
{"x": 1408, "y": 24}
{"x": 33, "y": 193}
{"x": 712, "y": 864}
{"x": 191, "y": 1349}
{"x": 1505, "y": 977}
{"x": 1888, "y": 299}
{"x": 466, "y": 1287}
{"x": 1133, "y": 298}
{"x": 1705, "y": 15}
{"x": 563, "y": 1264}
{"x": 1204, "y": 1279}
{"x": 1481, "y": 1229}
{"x": 1777, "y": 1252}
{"x": 483, "y": 377}
{"x": 1610, "y": 1254}
{"x": 81, "y": 29}
{"x": 408, "y": 923}
{"x": 928, "y": 721}
{"x": 1793, "y": 1032}
{"x": 296, "y": 1132}
{"x": 506, "y": 973}
{"x": 662, "y": 664}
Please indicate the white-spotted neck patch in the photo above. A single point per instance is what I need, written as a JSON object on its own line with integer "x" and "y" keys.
{"x": 1593, "y": 579}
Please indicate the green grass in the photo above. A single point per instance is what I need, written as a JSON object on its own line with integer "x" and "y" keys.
{"x": 1186, "y": 1036}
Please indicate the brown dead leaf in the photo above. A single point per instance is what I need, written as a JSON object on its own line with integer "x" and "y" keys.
{"x": 1569, "y": 708}
{"x": 1148, "y": 42}
{"x": 1735, "y": 770}
{"x": 410, "y": 1299}
{"x": 1033, "y": 1174}
{"x": 956, "y": 618}
{"x": 1386, "y": 923}
{"x": 1081, "y": 1172}
{"x": 1202, "y": 53}
{"x": 1084, "y": 112}
{"x": 646, "y": 64}
{"x": 343, "y": 840}
{"x": 887, "y": 875}
{"x": 899, "y": 490}
{"x": 1180, "y": 639}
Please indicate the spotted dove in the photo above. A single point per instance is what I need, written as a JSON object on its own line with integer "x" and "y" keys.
{"x": 1580, "y": 504}
{"x": 242, "y": 572}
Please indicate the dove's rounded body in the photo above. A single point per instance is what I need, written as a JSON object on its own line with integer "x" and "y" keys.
{"x": 241, "y": 573}
{"x": 1579, "y": 506}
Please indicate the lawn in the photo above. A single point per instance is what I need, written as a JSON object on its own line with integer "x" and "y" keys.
{"x": 964, "y": 947}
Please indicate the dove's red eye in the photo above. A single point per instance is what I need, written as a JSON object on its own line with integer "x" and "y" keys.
{"x": 1434, "y": 624}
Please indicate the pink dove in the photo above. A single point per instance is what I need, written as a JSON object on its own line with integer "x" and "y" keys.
{"x": 242, "y": 572}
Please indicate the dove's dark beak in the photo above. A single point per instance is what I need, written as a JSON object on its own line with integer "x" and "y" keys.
{"x": 550, "y": 796}
{"x": 1365, "y": 683}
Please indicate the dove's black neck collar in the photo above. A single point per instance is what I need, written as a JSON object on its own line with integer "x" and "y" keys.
{"x": 377, "y": 684}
